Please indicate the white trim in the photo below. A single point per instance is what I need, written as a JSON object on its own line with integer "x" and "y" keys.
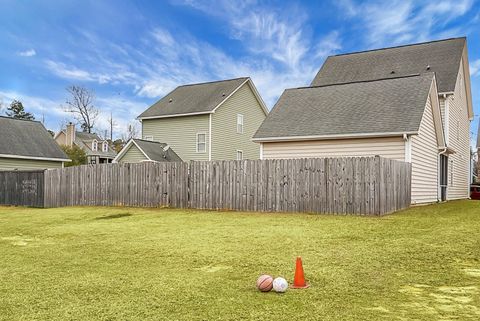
{"x": 261, "y": 150}
{"x": 126, "y": 148}
{"x": 205, "y": 142}
{"x": 338, "y": 136}
{"x": 176, "y": 115}
{"x": 35, "y": 158}
{"x": 447, "y": 119}
{"x": 240, "y": 116}
{"x": 95, "y": 143}
{"x": 408, "y": 148}
{"x": 257, "y": 95}
{"x": 209, "y": 137}
{"x": 231, "y": 94}
{"x": 148, "y": 137}
{"x": 239, "y": 151}
{"x": 252, "y": 87}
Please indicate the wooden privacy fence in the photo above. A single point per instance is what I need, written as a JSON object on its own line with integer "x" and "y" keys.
{"x": 22, "y": 188}
{"x": 358, "y": 185}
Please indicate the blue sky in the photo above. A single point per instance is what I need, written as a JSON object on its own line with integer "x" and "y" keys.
{"x": 131, "y": 53}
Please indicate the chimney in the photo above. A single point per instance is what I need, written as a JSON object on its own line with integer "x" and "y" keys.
{"x": 70, "y": 134}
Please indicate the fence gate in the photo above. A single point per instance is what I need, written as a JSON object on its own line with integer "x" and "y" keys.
{"x": 22, "y": 188}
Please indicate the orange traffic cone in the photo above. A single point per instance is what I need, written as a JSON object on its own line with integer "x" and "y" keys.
{"x": 299, "y": 280}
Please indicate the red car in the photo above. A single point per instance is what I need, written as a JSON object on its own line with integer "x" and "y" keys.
{"x": 475, "y": 192}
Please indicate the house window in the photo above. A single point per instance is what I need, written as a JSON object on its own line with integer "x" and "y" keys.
{"x": 105, "y": 147}
{"x": 148, "y": 138}
{"x": 201, "y": 143}
{"x": 240, "y": 123}
{"x": 94, "y": 145}
{"x": 239, "y": 155}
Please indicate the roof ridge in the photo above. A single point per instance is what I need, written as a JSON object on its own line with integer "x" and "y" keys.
{"x": 31, "y": 120}
{"x": 365, "y": 81}
{"x": 399, "y": 46}
{"x": 211, "y": 82}
{"x": 148, "y": 141}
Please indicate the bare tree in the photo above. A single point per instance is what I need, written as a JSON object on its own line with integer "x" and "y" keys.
{"x": 132, "y": 132}
{"x": 81, "y": 105}
{"x": 112, "y": 124}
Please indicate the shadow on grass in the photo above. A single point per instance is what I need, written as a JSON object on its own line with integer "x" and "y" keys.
{"x": 109, "y": 217}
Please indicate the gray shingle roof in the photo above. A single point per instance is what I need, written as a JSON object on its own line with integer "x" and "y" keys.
{"x": 195, "y": 98}
{"x": 27, "y": 138}
{"x": 155, "y": 151}
{"x": 381, "y": 106}
{"x": 442, "y": 56}
{"x": 84, "y": 141}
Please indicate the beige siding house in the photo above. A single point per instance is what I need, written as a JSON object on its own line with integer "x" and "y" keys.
{"x": 208, "y": 121}
{"x": 409, "y": 103}
{"x": 27, "y": 145}
{"x": 98, "y": 150}
{"x": 139, "y": 150}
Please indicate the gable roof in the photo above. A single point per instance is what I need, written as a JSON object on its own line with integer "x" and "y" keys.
{"x": 369, "y": 108}
{"x": 154, "y": 151}
{"x": 28, "y": 139}
{"x": 84, "y": 141}
{"x": 197, "y": 99}
{"x": 442, "y": 57}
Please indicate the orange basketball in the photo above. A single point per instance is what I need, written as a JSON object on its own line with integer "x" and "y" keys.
{"x": 265, "y": 283}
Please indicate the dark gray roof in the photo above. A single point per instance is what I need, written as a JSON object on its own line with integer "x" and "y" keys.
{"x": 380, "y": 106}
{"x": 195, "y": 98}
{"x": 442, "y": 56}
{"x": 155, "y": 151}
{"x": 27, "y": 138}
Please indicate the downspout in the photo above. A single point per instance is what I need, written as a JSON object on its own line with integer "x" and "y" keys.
{"x": 408, "y": 148}
{"x": 210, "y": 137}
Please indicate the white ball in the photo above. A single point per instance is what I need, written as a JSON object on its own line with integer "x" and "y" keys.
{"x": 280, "y": 285}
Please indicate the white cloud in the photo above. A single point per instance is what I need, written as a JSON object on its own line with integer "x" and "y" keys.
{"x": 27, "y": 53}
{"x": 475, "y": 68}
{"x": 404, "y": 21}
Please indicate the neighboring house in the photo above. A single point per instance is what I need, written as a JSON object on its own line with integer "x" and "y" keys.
{"x": 98, "y": 150}
{"x": 208, "y": 121}
{"x": 139, "y": 150}
{"x": 27, "y": 145}
{"x": 410, "y": 103}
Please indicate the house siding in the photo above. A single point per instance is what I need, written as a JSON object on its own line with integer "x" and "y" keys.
{"x": 61, "y": 139}
{"x": 180, "y": 133}
{"x": 388, "y": 147}
{"x": 459, "y": 140}
{"x": 225, "y": 139}
{"x": 132, "y": 155}
{"x": 425, "y": 160}
{"x": 27, "y": 164}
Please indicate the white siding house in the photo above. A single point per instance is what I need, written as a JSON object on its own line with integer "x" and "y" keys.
{"x": 409, "y": 103}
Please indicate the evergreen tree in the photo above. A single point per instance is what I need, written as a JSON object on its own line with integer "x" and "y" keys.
{"x": 16, "y": 110}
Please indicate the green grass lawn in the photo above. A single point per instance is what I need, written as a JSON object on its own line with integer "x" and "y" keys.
{"x": 92, "y": 263}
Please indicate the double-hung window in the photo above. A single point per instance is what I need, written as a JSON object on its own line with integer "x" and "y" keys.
{"x": 240, "y": 123}
{"x": 239, "y": 155}
{"x": 201, "y": 142}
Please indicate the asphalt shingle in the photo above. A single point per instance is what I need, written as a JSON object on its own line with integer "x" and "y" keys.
{"x": 27, "y": 138}
{"x": 380, "y": 106}
{"x": 194, "y": 98}
{"x": 442, "y": 57}
{"x": 156, "y": 151}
